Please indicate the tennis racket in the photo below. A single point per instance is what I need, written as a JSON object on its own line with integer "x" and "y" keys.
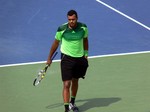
{"x": 41, "y": 73}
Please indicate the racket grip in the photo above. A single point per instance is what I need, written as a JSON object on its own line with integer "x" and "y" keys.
{"x": 54, "y": 55}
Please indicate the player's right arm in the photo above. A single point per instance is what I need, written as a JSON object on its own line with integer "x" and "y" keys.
{"x": 52, "y": 51}
{"x": 55, "y": 44}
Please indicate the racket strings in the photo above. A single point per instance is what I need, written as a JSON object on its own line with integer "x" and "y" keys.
{"x": 42, "y": 73}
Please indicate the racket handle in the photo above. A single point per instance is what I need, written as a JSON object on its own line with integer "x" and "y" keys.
{"x": 54, "y": 55}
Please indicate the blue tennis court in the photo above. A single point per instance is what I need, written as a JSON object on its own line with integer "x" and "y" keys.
{"x": 28, "y": 28}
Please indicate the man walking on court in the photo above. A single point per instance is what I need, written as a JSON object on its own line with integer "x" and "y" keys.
{"x": 73, "y": 37}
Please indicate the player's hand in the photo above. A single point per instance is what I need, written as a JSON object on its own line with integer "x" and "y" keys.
{"x": 86, "y": 57}
{"x": 49, "y": 62}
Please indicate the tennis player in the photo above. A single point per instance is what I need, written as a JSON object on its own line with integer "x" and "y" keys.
{"x": 73, "y": 37}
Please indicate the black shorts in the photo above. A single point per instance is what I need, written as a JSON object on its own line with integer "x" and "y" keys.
{"x": 73, "y": 67}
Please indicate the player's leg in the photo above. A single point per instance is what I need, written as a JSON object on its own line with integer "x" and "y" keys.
{"x": 74, "y": 89}
{"x": 66, "y": 72}
{"x": 66, "y": 94}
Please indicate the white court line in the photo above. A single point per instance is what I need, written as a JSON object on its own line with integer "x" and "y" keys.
{"x": 33, "y": 16}
{"x": 98, "y": 56}
{"x": 30, "y": 63}
{"x": 139, "y": 23}
{"x": 120, "y": 54}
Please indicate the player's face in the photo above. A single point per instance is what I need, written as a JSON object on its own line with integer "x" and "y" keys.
{"x": 72, "y": 21}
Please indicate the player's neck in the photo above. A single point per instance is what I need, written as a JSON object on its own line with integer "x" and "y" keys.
{"x": 72, "y": 27}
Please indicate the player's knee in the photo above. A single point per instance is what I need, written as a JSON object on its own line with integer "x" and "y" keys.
{"x": 67, "y": 84}
{"x": 75, "y": 81}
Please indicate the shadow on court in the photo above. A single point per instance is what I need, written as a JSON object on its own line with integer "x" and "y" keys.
{"x": 54, "y": 105}
{"x": 90, "y": 103}
{"x": 97, "y": 102}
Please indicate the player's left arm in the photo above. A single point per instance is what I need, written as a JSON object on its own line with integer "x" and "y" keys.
{"x": 86, "y": 47}
{"x": 85, "y": 42}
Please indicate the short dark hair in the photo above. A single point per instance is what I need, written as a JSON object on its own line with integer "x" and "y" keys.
{"x": 72, "y": 12}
